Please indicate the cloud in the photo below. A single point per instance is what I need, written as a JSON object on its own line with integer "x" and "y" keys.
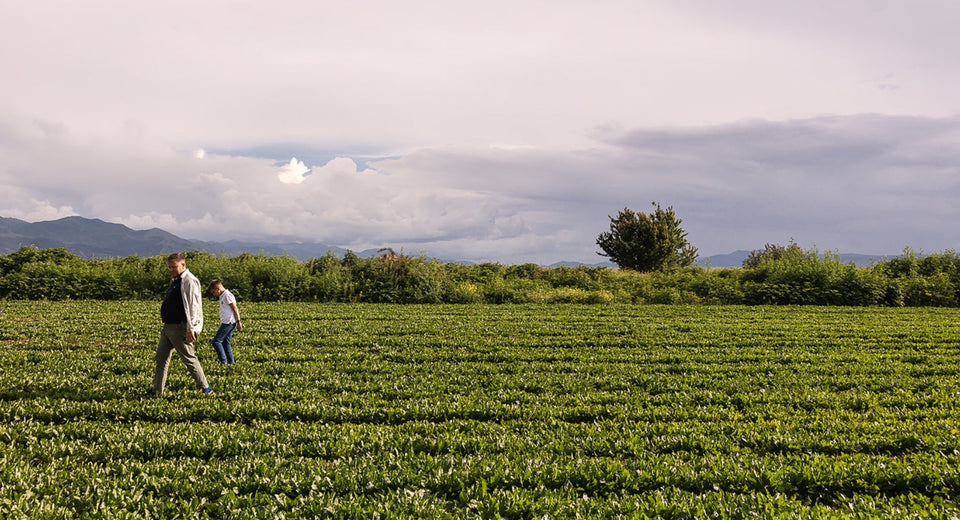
{"x": 151, "y": 220}
{"x": 474, "y": 74}
{"x": 465, "y": 129}
{"x": 863, "y": 182}
{"x": 867, "y": 183}
{"x": 340, "y": 168}
{"x": 34, "y": 210}
{"x": 294, "y": 172}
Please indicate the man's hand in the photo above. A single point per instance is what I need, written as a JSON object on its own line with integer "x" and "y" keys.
{"x": 190, "y": 336}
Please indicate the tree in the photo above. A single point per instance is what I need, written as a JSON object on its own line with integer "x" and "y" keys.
{"x": 773, "y": 252}
{"x": 647, "y": 242}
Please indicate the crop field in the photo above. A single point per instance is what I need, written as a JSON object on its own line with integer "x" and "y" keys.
{"x": 482, "y": 411}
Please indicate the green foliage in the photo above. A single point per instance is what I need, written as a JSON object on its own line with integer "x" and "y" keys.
{"x": 773, "y": 253}
{"x": 55, "y": 274}
{"x": 792, "y": 276}
{"x": 473, "y": 411}
{"x": 647, "y": 242}
{"x": 776, "y": 275}
{"x": 917, "y": 280}
{"x": 398, "y": 278}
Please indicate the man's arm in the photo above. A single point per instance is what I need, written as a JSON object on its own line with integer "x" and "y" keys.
{"x": 193, "y": 305}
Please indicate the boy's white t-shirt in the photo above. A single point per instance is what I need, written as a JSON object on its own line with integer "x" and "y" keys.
{"x": 226, "y": 313}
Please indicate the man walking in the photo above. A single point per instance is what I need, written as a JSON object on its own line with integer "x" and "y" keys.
{"x": 182, "y": 315}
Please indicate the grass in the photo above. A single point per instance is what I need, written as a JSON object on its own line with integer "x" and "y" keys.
{"x": 460, "y": 411}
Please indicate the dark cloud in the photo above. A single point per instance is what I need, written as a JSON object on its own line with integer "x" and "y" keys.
{"x": 869, "y": 183}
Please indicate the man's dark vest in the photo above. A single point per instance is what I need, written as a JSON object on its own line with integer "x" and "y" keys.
{"x": 172, "y": 311}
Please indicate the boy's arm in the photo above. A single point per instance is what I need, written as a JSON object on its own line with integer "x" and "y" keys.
{"x": 236, "y": 315}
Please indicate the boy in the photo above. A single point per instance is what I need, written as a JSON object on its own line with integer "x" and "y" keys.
{"x": 229, "y": 320}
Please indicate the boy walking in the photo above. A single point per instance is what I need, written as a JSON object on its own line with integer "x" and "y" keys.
{"x": 229, "y": 321}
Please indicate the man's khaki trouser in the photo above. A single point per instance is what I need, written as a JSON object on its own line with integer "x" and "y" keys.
{"x": 174, "y": 337}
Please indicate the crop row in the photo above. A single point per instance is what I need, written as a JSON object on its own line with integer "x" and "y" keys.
{"x": 475, "y": 411}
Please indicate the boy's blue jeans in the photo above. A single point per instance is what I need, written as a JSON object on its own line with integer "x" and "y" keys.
{"x": 221, "y": 342}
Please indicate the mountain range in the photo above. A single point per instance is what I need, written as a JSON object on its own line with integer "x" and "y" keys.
{"x": 736, "y": 258}
{"x": 94, "y": 238}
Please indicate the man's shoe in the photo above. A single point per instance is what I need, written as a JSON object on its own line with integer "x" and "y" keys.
{"x": 208, "y": 391}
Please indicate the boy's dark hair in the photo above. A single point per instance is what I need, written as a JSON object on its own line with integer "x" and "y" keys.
{"x": 213, "y": 283}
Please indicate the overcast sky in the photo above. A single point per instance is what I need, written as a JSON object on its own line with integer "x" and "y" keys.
{"x": 488, "y": 130}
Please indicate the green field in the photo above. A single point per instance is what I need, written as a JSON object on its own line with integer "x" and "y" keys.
{"x": 517, "y": 411}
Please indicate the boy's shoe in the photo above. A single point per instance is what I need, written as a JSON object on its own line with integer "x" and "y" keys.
{"x": 208, "y": 391}
{"x": 150, "y": 394}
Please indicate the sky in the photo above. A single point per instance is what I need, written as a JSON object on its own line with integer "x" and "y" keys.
{"x": 507, "y": 131}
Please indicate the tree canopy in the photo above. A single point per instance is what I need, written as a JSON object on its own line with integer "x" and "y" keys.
{"x": 646, "y": 243}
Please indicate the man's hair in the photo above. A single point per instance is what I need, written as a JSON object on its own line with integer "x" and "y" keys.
{"x": 178, "y": 257}
{"x": 213, "y": 284}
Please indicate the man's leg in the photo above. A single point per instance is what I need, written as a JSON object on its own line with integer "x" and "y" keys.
{"x": 189, "y": 357}
{"x": 164, "y": 353}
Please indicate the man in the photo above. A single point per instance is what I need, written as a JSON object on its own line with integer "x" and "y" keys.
{"x": 182, "y": 315}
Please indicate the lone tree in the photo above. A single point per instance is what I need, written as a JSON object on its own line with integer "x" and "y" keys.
{"x": 647, "y": 242}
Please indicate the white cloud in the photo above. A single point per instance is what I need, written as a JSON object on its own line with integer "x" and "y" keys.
{"x": 868, "y": 184}
{"x": 341, "y": 166}
{"x": 34, "y": 210}
{"x": 217, "y": 180}
{"x": 464, "y": 129}
{"x": 293, "y": 172}
{"x": 149, "y": 220}
{"x": 469, "y": 74}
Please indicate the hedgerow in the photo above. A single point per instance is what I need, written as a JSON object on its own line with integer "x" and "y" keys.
{"x": 777, "y": 276}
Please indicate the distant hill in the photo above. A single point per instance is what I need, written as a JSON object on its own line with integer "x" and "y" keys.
{"x": 94, "y": 238}
{"x": 579, "y": 264}
{"x": 89, "y": 238}
{"x": 736, "y": 258}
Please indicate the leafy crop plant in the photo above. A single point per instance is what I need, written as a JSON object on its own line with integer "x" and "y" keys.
{"x": 476, "y": 411}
